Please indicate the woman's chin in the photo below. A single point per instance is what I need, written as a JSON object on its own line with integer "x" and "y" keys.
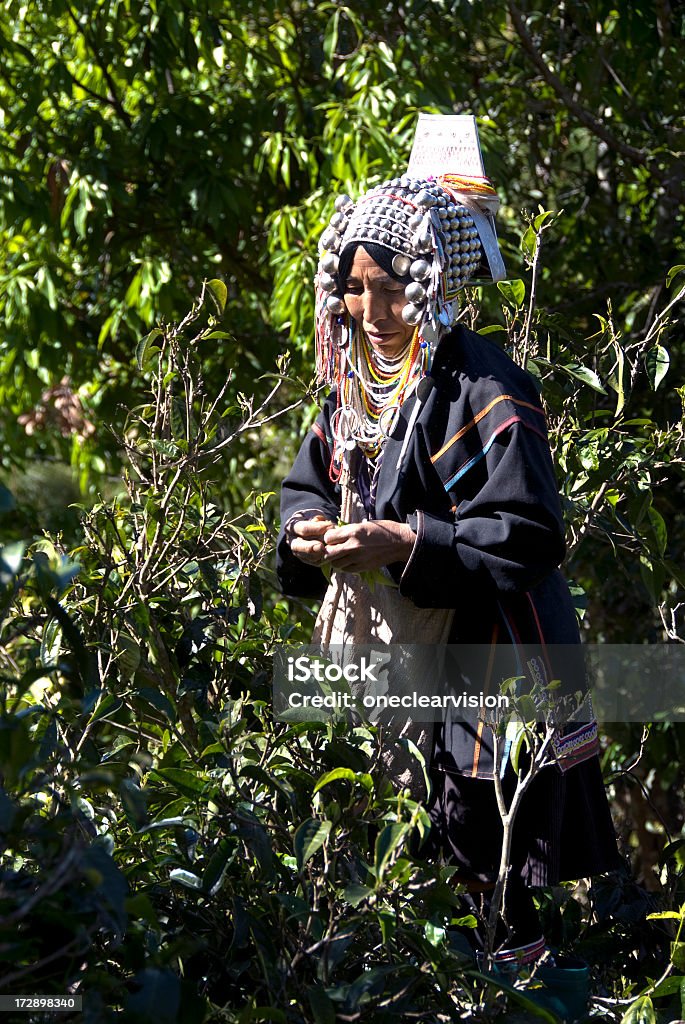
{"x": 386, "y": 344}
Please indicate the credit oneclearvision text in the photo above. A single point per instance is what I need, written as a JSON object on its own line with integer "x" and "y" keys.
{"x": 305, "y": 670}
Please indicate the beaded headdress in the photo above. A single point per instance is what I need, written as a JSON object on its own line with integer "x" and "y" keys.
{"x": 437, "y": 224}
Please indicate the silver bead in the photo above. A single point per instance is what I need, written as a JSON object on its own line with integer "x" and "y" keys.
{"x": 343, "y": 203}
{"x": 448, "y": 249}
{"x": 465, "y": 247}
{"x": 425, "y": 200}
{"x": 330, "y": 263}
{"x": 415, "y": 221}
{"x": 423, "y": 240}
{"x": 420, "y": 270}
{"x": 326, "y": 282}
{"x": 330, "y": 239}
{"x": 412, "y": 314}
{"x": 334, "y": 304}
{"x": 415, "y": 292}
{"x": 400, "y": 264}
{"x": 338, "y": 221}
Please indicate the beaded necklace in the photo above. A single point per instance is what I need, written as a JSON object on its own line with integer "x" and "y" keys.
{"x": 371, "y": 390}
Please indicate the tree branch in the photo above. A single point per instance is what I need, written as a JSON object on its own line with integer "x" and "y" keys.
{"x": 639, "y": 157}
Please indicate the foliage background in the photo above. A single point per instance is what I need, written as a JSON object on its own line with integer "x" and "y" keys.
{"x": 148, "y": 146}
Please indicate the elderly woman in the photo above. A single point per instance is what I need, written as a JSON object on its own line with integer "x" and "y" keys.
{"x": 431, "y": 449}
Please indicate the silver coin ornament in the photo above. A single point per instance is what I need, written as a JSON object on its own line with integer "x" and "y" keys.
{"x": 335, "y": 305}
{"x": 326, "y": 282}
{"x": 342, "y": 203}
{"x": 401, "y": 264}
{"x": 412, "y": 314}
{"x": 420, "y": 270}
{"x": 330, "y": 263}
{"x": 415, "y": 292}
{"x": 330, "y": 239}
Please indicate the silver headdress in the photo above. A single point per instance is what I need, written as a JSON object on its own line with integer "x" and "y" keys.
{"x": 437, "y": 221}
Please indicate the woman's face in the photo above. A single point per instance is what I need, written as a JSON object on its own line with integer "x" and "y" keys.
{"x": 376, "y": 300}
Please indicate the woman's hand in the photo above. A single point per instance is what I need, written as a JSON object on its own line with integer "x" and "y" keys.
{"x": 365, "y": 546}
{"x": 306, "y": 539}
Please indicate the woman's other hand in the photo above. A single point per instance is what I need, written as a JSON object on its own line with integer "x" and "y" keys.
{"x": 360, "y": 547}
{"x": 306, "y": 539}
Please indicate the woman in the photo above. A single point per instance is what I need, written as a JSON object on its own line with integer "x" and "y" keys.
{"x": 432, "y": 450}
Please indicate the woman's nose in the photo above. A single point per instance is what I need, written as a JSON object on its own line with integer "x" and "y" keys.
{"x": 372, "y": 305}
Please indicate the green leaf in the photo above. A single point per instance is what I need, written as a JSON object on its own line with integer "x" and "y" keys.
{"x": 219, "y": 863}
{"x": 219, "y": 292}
{"x": 128, "y": 655}
{"x": 158, "y": 700}
{"x": 513, "y": 291}
{"x": 541, "y": 218}
{"x": 492, "y": 329}
{"x": 435, "y": 933}
{"x": 337, "y": 773}
{"x": 186, "y": 878}
{"x": 583, "y": 373}
{"x": 330, "y": 39}
{"x": 640, "y": 1012}
{"x": 673, "y": 273}
{"x": 354, "y": 893}
{"x": 109, "y": 705}
{"x": 310, "y": 837}
{"x": 652, "y": 574}
{"x": 657, "y": 362}
{"x": 387, "y": 843}
{"x": 185, "y": 782}
{"x": 323, "y": 1009}
{"x": 11, "y": 558}
{"x": 144, "y": 348}
{"x": 520, "y": 743}
{"x": 528, "y": 243}
{"x": 134, "y": 802}
{"x": 51, "y": 642}
{"x": 678, "y": 955}
{"x": 659, "y": 527}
